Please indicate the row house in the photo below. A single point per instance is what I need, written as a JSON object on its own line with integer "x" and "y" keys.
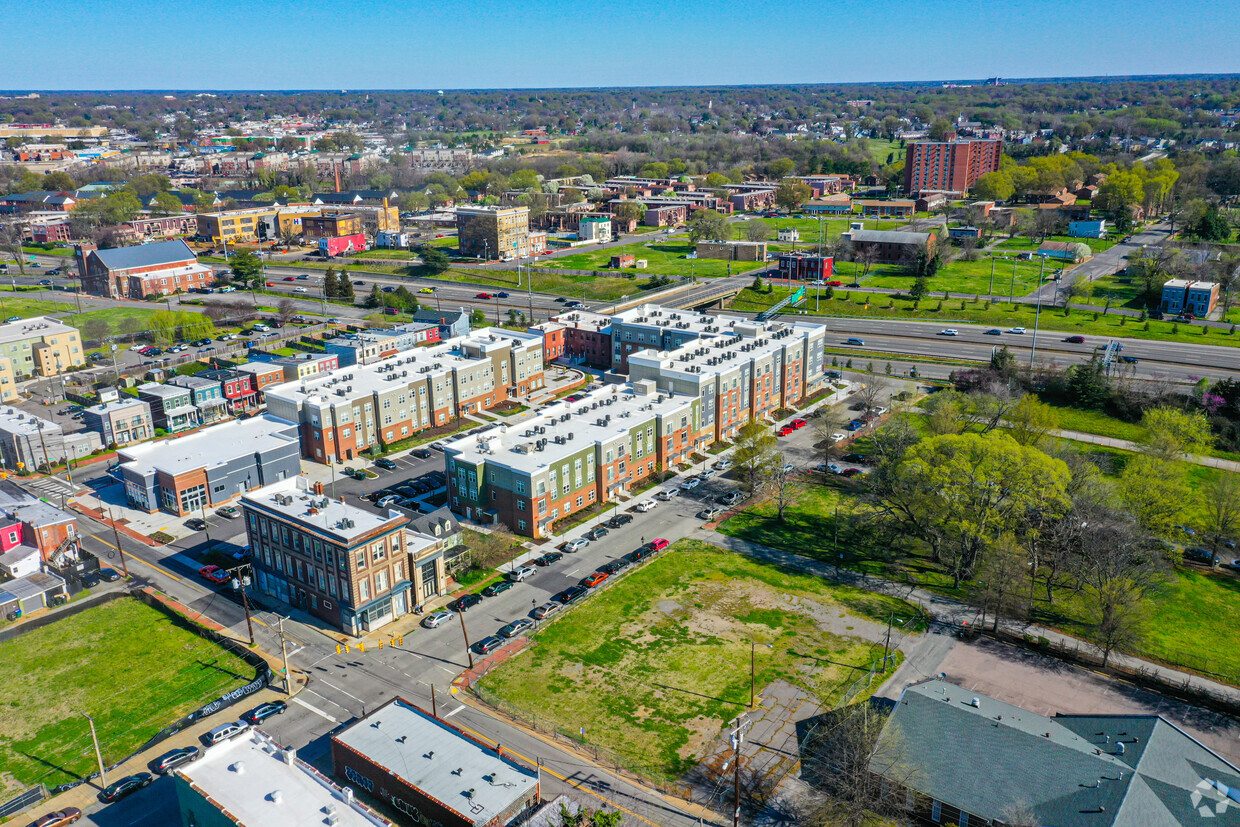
{"x": 172, "y": 407}
{"x": 263, "y": 375}
{"x": 206, "y": 395}
{"x": 237, "y": 388}
{"x": 572, "y": 456}
{"x": 345, "y": 411}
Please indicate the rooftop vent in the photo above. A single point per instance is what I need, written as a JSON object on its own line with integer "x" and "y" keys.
{"x": 275, "y": 796}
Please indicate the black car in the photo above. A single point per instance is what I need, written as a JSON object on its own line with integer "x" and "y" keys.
{"x": 615, "y": 566}
{"x": 421, "y": 453}
{"x": 386, "y": 464}
{"x": 262, "y": 712}
{"x": 171, "y": 760}
{"x": 464, "y": 602}
{"x": 128, "y": 784}
{"x": 196, "y": 523}
{"x": 571, "y": 595}
{"x": 498, "y": 588}
{"x": 109, "y": 575}
{"x": 548, "y": 558}
{"x": 561, "y": 299}
{"x": 488, "y": 645}
{"x": 639, "y": 555}
{"x": 597, "y": 533}
{"x": 858, "y": 458}
{"x": 620, "y": 520}
{"x": 1200, "y": 555}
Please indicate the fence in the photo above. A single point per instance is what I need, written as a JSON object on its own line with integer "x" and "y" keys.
{"x": 24, "y": 801}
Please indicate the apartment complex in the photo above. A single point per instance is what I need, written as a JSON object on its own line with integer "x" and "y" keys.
{"x": 493, "y": 232}
{"x": 347, "y": 566}
{"x": 742, "y": 371}
{"x": 159, "y": 268}
{"x": 207, "y": 469}
{"x": 580, "y": 335}
{"x": 572, "y": 456}
{"x": 344, "y": 411}
{"x": 951, "y": 166}
{"x": 39, "y": 346}
{"x": 231, "y": 226}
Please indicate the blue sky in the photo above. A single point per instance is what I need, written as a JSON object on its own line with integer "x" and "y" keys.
{"x": 431, "y": 44}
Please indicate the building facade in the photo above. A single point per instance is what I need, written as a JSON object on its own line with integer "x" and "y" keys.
{"x": 952, "y": 165}
{"x": 172, "y": 407}
{"x": 121, "y": 422}
{"x": 39, "y": 346}
{"x": 887, "y": 246}
{"x": 344, "y": 565}
{"x": 805, "y": 267}
{"x": 1187, "y": 296}
{"x": 493, "y": 232}
{"x": 160, "y": 268}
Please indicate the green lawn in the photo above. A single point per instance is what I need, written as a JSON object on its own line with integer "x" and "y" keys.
{"x": 654, "y": 666}
{"x": 125, "y": 664}
{"x": 663, "y": 258}
{"x": 1096, "y": 422}
{"x": 880, "y": 148}
{"x": 808, "y": 228}
{"x": 64, "y": 252}
{"x": 1022, "y": 243}
{"x": 1010, "y": 277}
{"x": 32, "y": 307}
{"x": 999, "y": 314}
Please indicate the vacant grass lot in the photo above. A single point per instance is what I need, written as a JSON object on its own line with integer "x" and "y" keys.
{"x": 656, "y": 665}
{"x": 959, "y": 276}
{"x": 663, "y": 258}
{"x": 33, "y": 307}
{"x": 999, "y": 314}
{"x": 808, "y": 228}
{"x": 1022, "y": 243}
{"x": 125, "y": 664}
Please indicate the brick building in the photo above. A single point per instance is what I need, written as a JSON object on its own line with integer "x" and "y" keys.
{"x": 887, "y": 246}
{"x": 805, "y": 267}
{"x": 952, "y": 166}
{"x": 493, "y": 232}
{"x": 331, "y": 225}
{"x": 732, "y": 250}
{"x": 160, "y": 268}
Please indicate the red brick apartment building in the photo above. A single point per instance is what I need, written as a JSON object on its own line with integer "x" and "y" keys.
{"x": 949, "y": 165}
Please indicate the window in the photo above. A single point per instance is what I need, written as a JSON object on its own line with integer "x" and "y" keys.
{"x": 521, "y": 525}
{"x": 363, "y": 588}
{"x": 379, "y": 553}
{"x": 936, "y": 812}
{"x": 520, "y": 505}
{"x": 361, "y": 559}
{"x": 381, "y": 582}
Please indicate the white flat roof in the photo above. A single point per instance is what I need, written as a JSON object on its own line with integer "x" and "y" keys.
{"x": 740, "y": 342}
{"x": 260, "y": 784}
{"x": 17, "y": 421}
{"x": 211, "y": 446}
{"x": 440, "y": 761}
{"x": 344, "y": 523}
{"x": 35, "y": 326}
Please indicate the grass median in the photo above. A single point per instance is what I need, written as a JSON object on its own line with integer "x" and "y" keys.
{"x": 653, "y": 667}
{"x": 124, "y": 663}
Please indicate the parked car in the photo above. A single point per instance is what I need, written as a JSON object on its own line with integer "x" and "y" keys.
{"x": 858, "y": 458}
{"x": 721, "y": 464}
{"x": 709, "y": 513}
{"x": 731, "y": 498}
{"x": 497, "y": 588}
{"x": 1200, "y": 555}
{"x": 574, "y": 546}
{"x": 690, "y": 484}
{"x": 787, "y": 468}
{"x": 595, "y": 579}
{"x": 515, "y": 628}
{"x": 264, "y": 711}
{"x": 465, "y": 602}
{"x": 126, "y": 786}
{"x": 224, "y": 732}
{"x": 69, "y": 815}
{"x": 437, "y": 619}
{"x": 570, "y": 595}
{"x": 646, "y": 505}
{"x": 547, "y": 609}
{"x": 388, "y": 499}
{"x": 196, "y": 523}
{"x": 175, "y": 758}
{"x": 597, "y": 533}
{"x": 620, "y": 520}
{"x": 784, "y": 430}
{"x": 670, "y": 493}
{"x": 229, "y": 511}
{"x": 548, "y": 558}
{"x": 109, "y": 575}
{"x": 521, "y": 573}
{"x": 488, "y": 645}
{"x": 851, "y": 472}
{"x": 798, "y": 424}
{"x": 657, "y": 544}
{"x": 386, "y": 464}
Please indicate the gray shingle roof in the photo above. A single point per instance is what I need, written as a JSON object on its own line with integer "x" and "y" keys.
{"x": 146, "y": 255}
{"x": 1098, "y": 770}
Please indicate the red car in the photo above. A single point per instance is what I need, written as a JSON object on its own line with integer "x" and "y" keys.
{"x": 797, "y": 424}
{"x": 835, "y": 283}
{"x": 594, "y": 579}
{"x": 785, "y": 430}
{"x": 290, "y": 278}
{"x": 213, "y": 573}
{"x": 483, "y": 296}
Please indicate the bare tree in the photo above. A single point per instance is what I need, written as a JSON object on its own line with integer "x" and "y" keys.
{"x": 1222, "y": 509}
{"x": 1000, "y": 579}
{"x": 871, "y": 392}
{"x": 856, "y": 766}
{"x": 286, "y": 309}
{"x": 785, "y": 487}
{"x": 989, "y": 408}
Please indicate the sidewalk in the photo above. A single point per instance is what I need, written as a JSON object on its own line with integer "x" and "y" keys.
{"x": 954, "y": 612}
{"x": 1128, "y": 445}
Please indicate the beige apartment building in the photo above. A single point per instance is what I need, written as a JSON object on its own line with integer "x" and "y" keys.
{"x": 40, "y": 346}
{"x": 493, "y": 232}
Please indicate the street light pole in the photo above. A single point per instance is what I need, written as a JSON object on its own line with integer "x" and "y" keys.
{"x": 117, "y": 535}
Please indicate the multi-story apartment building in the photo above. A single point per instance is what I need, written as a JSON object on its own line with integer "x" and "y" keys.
{"x": 493, "y": 232}
{"x": 571, "y": 457}
{"x": 40, "y": 346}
{"x": 172, "y": 407}
{"x": 120, "y": 421}
{"x": 952, "y": 166}
{"x": 303, "y": 365}
{"x": 8, "y": 382}
{"x": 160, "y": 268}
{"x": 742, "y": 371}
{"x": 344, "y": 565}
{"x": 347, "y": 410}
{"x": 231, "y": 226}
{"x": 580, "y": 335}
{"x": 186, "y": 475}
{"x": 649, "y": 326}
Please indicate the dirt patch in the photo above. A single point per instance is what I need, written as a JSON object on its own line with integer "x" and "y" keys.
{"x": 669, "y": 607}
{"x": 702, "y": 732}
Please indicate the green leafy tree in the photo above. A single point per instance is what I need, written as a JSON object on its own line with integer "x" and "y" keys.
{"x": 708, "y": 225}
{"x": 1172, "y": 435}
{"x": 754, "y": 455}
{"x": 375, "y": 299}
{"x": 939, "y": 129}
{"x": 994, "y": 186}
{"x": 165, "y": 203}
{"x": 757, "y": 231}
{"x": 246, "y": 267}
{"x": 1088, "y": 385}
{"x": 1155, "y": 492}
{"x": 434, "y": 260}
{"x": 94, "y": 329}
{"x": 344, "y": 288}
{"x": 477, "y": 318}
{"x": 630, "y": 210}
{"x": 792, "y": 194}
{"x": 330, "y": 289}
{"x": 919, "y": 289}
{"x": 1031, "y": 420}
{"x": 1212, "y": 226}
{"x": 780, "y": 168}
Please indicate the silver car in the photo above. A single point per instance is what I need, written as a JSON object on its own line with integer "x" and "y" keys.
{"x": 438, "y": 619}
{"x": 547, "y": 609}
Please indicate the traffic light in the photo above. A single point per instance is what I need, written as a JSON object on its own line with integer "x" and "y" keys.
{"x": 342, "y": 649}
{"x": 361, "y": 647}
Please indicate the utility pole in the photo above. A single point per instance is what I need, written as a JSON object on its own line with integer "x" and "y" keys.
{"x": 1037, "y": 316}
{"x": 103, "y": 773}
{"x": 468, "y": 651}
{"x": 887, "y": 643}
{"x": 434, "y": 703}
{"x": 288, "y": 678}
{"x": 117, "y": 534}
{"x": 239, "y": 582}
{"x": 991, "y": 292}
{"x": 738, "y": 739}
{"x": 752, "y": 649}
{"x": 1012, "y": 294}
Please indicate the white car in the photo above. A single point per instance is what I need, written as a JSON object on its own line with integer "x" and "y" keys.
{"x": 1016, "y": 330}
{"x": 438, "y": 619}
{"x": 838, "y": 437}
{"x": 706, "y": 474}
{"x": 949, "y": 331}
{"x": 788, "y": 468}
{"x": 521, "y": 573}
{"x": 668, "y": 494}
{"x": 646, "y": 505}
{"x": 721, "y": 464}
{"x": 690, "y": 484}
{"x": 300, "y": 290}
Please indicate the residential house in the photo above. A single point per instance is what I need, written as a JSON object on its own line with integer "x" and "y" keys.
{"x": 237, "y": 387}
{"x": 121, "y": 421}
{"x": 264, "y": 375}
{"x": 1181, "y": 296}
{"x": 172, "y": 407}
{"x": 207, "y": 396}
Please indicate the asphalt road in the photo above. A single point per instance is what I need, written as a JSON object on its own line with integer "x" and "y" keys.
{"x": 1104, "y": 263}
{"x": 344, "y": 686}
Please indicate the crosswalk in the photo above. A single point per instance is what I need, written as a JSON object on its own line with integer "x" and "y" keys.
{"x": 50, "y": 488}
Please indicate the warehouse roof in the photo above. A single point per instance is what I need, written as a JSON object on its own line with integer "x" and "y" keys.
{"x": 146, "y": 255}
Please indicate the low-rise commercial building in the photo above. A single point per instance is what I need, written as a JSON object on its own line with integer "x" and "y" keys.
{"x": 886, "y": 209}
{"x": 345, "y": 411}
{"x": 1088, "y": 229}
{"x": 160, "y": 268}
{"x": 331, "y": 225}
{"x": 595, "y": 228}
{"x": 250, "y": 781}
{"x": 840, "y": 204}
{"x": 432, "y": 772}
{"x": 39, "y": 346}
{"x": 805, "y": 267}
{"x": 571, "y": 457}
{"x": 120, "y": 422}
{"x": 347, "y": 566}
{"x": 52, "y": 531}
{"x": 203, "y": 470}
{"x": 1188, "y": 296}
{"x": 232, "y": 226}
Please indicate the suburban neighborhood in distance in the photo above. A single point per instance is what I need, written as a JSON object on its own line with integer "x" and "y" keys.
{"x": 693, "y": 419}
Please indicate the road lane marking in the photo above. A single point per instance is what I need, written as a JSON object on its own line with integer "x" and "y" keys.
{"x": 313, "y": 709}
{"x": 341, "y": 691}
{"x": 453, "y": 712}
